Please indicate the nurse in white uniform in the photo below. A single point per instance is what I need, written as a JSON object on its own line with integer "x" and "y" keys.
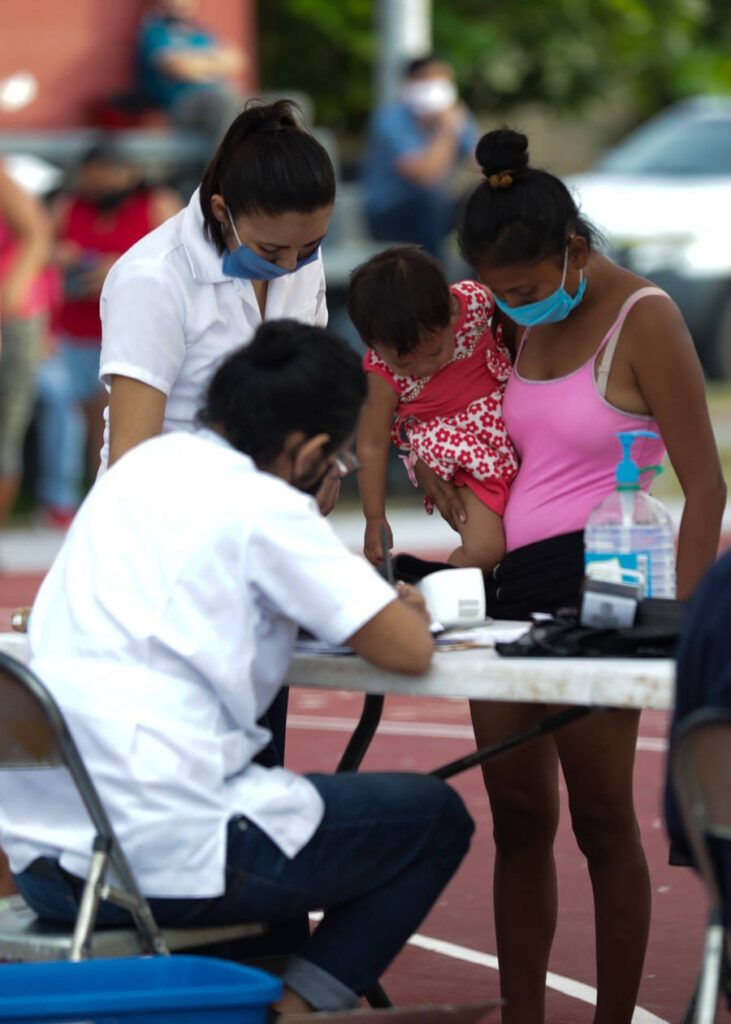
{"x": 164, "y": 629}
{"x": 245, "y": 249}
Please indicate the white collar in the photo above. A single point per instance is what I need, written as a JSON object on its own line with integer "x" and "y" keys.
{"x": 203, "y": 257}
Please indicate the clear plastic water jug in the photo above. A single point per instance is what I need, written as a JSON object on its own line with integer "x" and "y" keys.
{"x": 630, "y": 537}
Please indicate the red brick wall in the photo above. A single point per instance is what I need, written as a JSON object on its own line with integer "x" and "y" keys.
{"x": 81, "y": 50}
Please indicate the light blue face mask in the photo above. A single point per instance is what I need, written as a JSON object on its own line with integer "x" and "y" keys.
{"x": 244, "y": 262}
{"x": 552, "y": 309}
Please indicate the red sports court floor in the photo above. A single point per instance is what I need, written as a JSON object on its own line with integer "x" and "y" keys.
{"x": 453, "y": 956}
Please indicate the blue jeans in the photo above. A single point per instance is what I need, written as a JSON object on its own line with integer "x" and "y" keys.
{"x": 386, "y": 847}
{"x": 67, "y": 379}
{"x": 425, "y": 218}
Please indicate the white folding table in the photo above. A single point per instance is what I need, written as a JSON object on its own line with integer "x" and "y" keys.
{"x": 579, "y": 685}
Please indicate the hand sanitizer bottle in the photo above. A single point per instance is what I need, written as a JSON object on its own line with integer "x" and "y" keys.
{"x": 629, "y": 537}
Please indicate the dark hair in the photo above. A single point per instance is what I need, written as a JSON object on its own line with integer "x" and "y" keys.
{"x": 290, "y": 377}
{"x": 397, "y": 296}
{"x": 106, "y": 150}
{"x": 519, "y": 214}
{"x": 266, "y": 163}
{"x": 417, "y": 64}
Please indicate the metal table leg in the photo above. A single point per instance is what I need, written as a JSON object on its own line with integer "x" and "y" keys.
{"x": 546, "y": 725}
{"x": 365, "y": 730}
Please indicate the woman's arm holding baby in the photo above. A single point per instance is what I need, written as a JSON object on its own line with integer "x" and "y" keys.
{"x": 373, "y": 443}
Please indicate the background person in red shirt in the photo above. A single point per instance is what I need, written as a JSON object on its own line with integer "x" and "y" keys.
{"x": 109, "y": 210}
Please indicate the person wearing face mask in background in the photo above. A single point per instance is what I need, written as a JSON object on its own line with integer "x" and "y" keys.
{"x": 109, "y": 210}
{"x": 415, "y": 144}
{"x": 598, "y": 351}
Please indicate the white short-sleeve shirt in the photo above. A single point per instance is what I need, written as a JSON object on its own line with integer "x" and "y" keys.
{"x": 164, "y": 630}
{"x": 170, "y": 314}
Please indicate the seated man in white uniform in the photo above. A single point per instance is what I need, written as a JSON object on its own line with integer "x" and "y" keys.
{"x": 164, "y": 630}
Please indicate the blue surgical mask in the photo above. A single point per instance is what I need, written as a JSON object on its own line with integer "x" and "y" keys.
{"x": 552, "y": 309}
{"x": 244, "y": 262}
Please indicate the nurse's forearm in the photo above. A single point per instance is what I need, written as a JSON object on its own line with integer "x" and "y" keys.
{"x": 136, "y": 413}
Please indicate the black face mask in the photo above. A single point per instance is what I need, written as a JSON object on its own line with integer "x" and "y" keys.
{"x": 108, "y": 202}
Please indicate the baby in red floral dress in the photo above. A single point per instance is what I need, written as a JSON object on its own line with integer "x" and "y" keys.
{"x": 436, "y": 376}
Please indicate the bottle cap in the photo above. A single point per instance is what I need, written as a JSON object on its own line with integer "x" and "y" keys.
{"x": 628, "y": 472}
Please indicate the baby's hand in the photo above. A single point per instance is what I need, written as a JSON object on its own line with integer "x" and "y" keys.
{"x": 372, "y": 544}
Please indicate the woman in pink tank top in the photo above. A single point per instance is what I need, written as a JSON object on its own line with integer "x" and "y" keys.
{"x": 598, "y": 350}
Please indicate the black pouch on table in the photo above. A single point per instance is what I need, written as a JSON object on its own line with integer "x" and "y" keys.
{"x": 655, "y": 635}
{"x": 542, "y": 577}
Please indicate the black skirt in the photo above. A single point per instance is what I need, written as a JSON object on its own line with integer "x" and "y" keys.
{"x": 542, "y": 577}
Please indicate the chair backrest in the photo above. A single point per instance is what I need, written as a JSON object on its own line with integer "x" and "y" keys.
{"x": 702, "y": 769}
{"x": 701, "y": 774}
{"x": 32, "y": 730}
{"x": 34, "y": 734}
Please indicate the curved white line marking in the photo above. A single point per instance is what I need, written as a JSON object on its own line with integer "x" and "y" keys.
{"x": 567, "y": 986}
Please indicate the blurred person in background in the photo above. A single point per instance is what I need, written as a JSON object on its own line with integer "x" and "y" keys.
{"x": 184, "y": 69}
{"x": 107, "y": 211}
{"x": 24, "y": 249}
{"x": 415, "y": 145}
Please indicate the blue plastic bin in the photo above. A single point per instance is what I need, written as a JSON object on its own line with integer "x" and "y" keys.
{"x": 142, "y": 990}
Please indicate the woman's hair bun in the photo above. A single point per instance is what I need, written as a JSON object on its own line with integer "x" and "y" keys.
{"x": 502, "y": 150}
{"x": 270, "y": 117}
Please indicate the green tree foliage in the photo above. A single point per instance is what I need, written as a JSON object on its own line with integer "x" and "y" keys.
{"x": 562, "y": 52}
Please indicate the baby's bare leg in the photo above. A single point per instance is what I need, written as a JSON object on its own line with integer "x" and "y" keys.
{"x": 483, "y": 537}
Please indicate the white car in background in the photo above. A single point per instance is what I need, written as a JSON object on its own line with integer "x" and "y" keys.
{"x": 662, "y": 200}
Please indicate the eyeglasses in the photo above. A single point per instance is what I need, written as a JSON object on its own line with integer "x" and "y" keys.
{"x": 345, "y": 463}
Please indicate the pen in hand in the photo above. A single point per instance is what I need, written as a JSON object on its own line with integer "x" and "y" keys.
{"x": 387, "y": 560}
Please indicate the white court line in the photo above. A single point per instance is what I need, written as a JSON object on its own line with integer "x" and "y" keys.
{"x": 566, "y": 986}
{"x": 436, "y": 730}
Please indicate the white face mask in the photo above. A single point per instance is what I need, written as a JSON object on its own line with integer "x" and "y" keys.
{"x": 429, "y": 96}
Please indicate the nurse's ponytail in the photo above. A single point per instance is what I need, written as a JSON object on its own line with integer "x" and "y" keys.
{"x": 266, "y": 163}
{"x": 519, "y": 213}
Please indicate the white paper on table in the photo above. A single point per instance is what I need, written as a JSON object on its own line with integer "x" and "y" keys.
{"x": 314, "y": 646}
{"x": 487, "y": 634}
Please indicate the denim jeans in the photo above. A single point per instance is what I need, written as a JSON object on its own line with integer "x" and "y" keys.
{"x": 67, "y": 379}
{"x": 386, "y": 847}
{"x": 425, "y": 218}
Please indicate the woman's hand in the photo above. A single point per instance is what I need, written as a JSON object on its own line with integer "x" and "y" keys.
{"x": 372, "y": 545}
{"x": 443, "y": 494}
{"x": 328, "y": 494}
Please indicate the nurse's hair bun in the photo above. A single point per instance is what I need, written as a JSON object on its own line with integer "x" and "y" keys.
{"x": 502, "y": 152}
{"x": 282, "y": 341}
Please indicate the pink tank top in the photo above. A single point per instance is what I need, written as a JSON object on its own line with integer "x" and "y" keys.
{"x": 565, "y": 433}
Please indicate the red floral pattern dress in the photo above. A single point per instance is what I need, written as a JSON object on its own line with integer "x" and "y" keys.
{"x": 452, "y": 420}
